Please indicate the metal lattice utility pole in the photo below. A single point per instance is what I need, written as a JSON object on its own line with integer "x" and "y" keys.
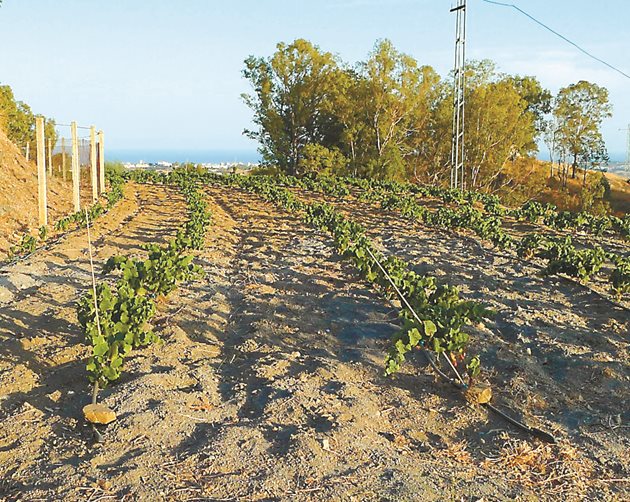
{"x": 457, "y": 145}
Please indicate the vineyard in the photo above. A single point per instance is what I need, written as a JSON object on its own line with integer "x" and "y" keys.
{"x": 315, "y": 338}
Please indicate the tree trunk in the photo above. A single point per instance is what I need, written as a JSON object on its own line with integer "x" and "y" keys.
{"x": 294, "y": 158}
{"x": 584, "y": 179}
{"x": 565, "y": 174}
{"x": 574, "y": 167}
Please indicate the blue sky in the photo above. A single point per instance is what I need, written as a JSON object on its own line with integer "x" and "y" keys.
{"x": 167, "y": 74}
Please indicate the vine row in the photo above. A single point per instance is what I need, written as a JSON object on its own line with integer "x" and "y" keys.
{"x": 560, "y": 254}
{"x": 126, "y": 306}
{"x": 443, "y": 313}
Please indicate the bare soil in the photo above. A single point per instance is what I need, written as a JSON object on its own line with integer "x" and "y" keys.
{"x": 269, "y": 382}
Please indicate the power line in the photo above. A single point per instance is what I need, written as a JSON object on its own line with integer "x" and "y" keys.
{"x": 592, "y": 56}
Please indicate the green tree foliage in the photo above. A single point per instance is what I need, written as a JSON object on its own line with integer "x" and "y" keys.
{"x": 499, "y": 124}
{"x": 389, "y": 117}
{"x": 293, "y": 101}
{"x": 18, "y": 121}
{"x": 317, "y": 159}
{"x": 594, "y": 195}
{"x": 431, "y": 140}
{"x": 537, "y": 98}
{"x": 50, "y": 132}
{"x": 579, "y": 112}
{"x": 16, "y": 118}
{"x": 394, "y": 96}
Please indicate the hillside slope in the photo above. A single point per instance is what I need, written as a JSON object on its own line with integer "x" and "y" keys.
{"x": 18, "y": 195}
{"x": 269, "y": 384}
{"x": 569, "y": 199}
{"x": 620, "y": 193}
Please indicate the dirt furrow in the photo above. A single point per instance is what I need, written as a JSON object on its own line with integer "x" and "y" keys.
{"x": 43, "y": 385}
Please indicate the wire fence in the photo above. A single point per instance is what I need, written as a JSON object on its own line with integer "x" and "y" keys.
{"x": 59, "y": 151}
{"x": 61, "y": 155}
{"x": 59, "y": 148}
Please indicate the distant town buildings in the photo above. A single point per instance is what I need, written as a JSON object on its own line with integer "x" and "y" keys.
{"x": 162, "y": 165}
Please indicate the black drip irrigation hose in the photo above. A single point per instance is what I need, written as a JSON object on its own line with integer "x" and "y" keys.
{"x": 459, "y": 383}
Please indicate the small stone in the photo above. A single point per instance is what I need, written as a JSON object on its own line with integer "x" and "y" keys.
{"x": 325, "y": 444}
{"x": 479, "y": 393}
{"x": 54, "y": 396}
{"x": 98, "y": 414}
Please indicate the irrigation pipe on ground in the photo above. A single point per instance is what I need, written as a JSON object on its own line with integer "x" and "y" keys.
{"x": 459, "y": 383}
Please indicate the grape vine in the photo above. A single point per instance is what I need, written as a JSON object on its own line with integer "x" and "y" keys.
{"x": 126, "y": 307}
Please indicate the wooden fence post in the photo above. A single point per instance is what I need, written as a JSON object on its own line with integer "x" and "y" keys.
{"x": 76, "y": 169}
{"x": 93, "y": 164}
{"x": 50, "y": 166}
{"x": 41, "y": 172}
{"x": 101, "y": 160}
{"x": 28, "y": 151}
{"x": 63, "y": 158}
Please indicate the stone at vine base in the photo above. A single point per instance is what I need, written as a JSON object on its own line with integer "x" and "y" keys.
{"x": 99, "y": 414}
{"x": 479, "y": 393}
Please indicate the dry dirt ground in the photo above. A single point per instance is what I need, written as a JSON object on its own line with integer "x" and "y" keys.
{"x": 269, "y": 384}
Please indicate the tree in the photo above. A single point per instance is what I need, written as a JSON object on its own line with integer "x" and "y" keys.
{"x": 317, "y": 159}
{"x": 18, "y": 121}
{"x": 16, "y": 118}
{"x": 596, "y": 155}
{"x": 537, "y": 98}
{"x": 293, "y": 98}
{"x": 349, "y": 114}
{"x": 50, "y": 132}
{"x": 393, "y": 94}
{"x": 580, "y": 110}
{"x": 550, "y": 136}
{"x": 594, "y": 195}
{"x": 499, "y": 124}
{"x": 431, "y": 138}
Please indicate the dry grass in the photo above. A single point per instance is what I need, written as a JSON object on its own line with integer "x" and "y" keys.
{"x": 530, "y": 180}
{"x": 456, "y": 451}
{"x": 557, "y": 470}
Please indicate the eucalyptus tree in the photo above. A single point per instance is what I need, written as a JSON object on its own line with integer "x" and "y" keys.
{"x": 293, "y": 101}
{"x": 394, "y": 96}
{"x": 500, "y": 123}
{"x": 16, "y": 118}
{"x": 580, "y": 110}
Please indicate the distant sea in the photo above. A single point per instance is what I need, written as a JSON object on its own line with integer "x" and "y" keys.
{"x": 245, "y": 156}
{"x": 196, "y": 156}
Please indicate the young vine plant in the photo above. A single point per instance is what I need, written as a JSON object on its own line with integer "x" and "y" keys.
{"x": 126, "y": 307}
